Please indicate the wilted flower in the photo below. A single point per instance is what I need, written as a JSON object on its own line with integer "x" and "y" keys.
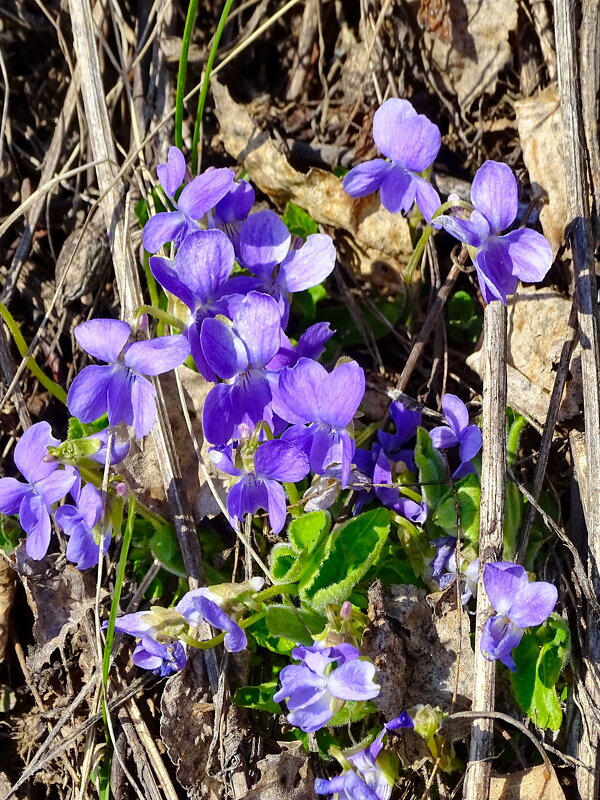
{"x": 411, "y": 142}
{"x": 519, "y": 603}
{"x": 500, "y": 261}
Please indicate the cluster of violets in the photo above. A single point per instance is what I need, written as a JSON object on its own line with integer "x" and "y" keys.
{"x": 275, "y": 415}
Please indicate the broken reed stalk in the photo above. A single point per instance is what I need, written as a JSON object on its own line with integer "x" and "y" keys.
{"x": 578, "y": 164}
{"x": 493, "y": 476}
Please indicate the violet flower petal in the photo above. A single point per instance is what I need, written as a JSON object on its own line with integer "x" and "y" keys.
{"x": 427, "y": 199}
{"x": 167, "y": 274}
{"x": 310, "y": 265}
{"x": 387, "y": 121}
{"x": 258, "y": 324}
{"x": 499, "y": 638}
{"x": 443, "y": 437}
{"x": 470, "y": 443}
{"x": 529, "y": 253}
{"x": 495, "y": 194}
{"x": 172, "y": 173}
{"x": 155, "y": 356}
{"x": 353, "y": 681}
{"x": 166, "y": 226}
{"x": 398, "y": 190}
{"x": 235, "y": 638}
{"x": 474, "y": 231}
{"x": 35, "y": 521}
{"x": 103, "y": 338}
{"x": 417, "y": 143}
{"x": 264, "y": 242}
{"x": 118, "y": 395}
{"x": 217, "y": 415}
{"x": 55, "y": 486}
{"x": 276, "y": 505}
{"x": 12, "y": 493}
{"x": 223, "y": 350}
{"x": 455, "y": 412}
{"x": 204, "y": 192}
{"x": 32, "y": 448}
{"x": 366, "y": 178}
{"x": 143, "y": 404}
{"x": 87, "y": 398}
{"x": 281, "y": 461}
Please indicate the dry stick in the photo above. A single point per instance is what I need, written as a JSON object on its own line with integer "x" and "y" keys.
{"x": 493, "y": 473}
{"x": 580, "y": 234}
{"x": 428, "y": 326}
{"x": 130, "y": 290}
{"x": 562, "y": 373}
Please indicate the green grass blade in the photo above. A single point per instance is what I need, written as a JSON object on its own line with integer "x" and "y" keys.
{"x": 190, "y": 21}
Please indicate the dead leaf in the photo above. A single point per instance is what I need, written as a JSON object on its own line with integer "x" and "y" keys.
{"x": 8, "y": 585}
{"x": 380, "y": 235}
{"x": 540, "y": 130}
{"x": 59, "y": 598}
{"x": 537, "y": 328}
{"x": 415, "y": 641}
{"x": 536, "y": 783}
{"x": 141, "y": 470}
{"x": 467, "y": 63}
{"x": 285, "y": 776}
{"x": 186, "y": 728}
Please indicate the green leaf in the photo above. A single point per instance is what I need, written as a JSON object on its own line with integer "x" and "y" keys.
{"x": 264, "y": 638}
{"x": 10, "y": 533}
{"x": 306, "y": 532}
{"x": 298, "y": 221}
{"x": 295, "y": 624}
{"x": 352, "y": 711}
{"x": 465, "y": 498}
{"x": 344, "y": 558}
{"x": 79, "y": 430}
{"x": 258, "y": 697}
{"x": 415, "y": 544}
{"x": 292, "y": 561}
{"x": 433, "y": 471}
{"x": 540, "y": 658}
{"x": 165, "y": 548}
{"x": 513, "y": 516}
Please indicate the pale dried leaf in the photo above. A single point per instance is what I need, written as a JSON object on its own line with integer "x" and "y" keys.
{"x": 285, "y": 776}
{"x": 142, "y": 470}
{"x": 467, "y": 63}
{"x": 8, "y": 585}
{"x": 539, "y": 124}
{"x": 381, "y": 235}
{"x": 536, "y": 783}
{"x": 534, "y": 351}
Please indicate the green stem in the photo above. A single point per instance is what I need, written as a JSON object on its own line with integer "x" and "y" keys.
{"x": 273, "y": 591}
{"x": 420, "y": 246}
{"x": 190, "y": 21}
{"x": 46, "y": 382}
{"x": 164, "y": 316}
{"x": 205, "y": 83}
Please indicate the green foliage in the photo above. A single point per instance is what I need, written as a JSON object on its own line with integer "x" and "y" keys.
{"x": 352, "y": 711}
{"x": 415, "y": 544}
{"x": 344, "y": 558}
{"x": 294, "y": 560}
{"x": 295, "y": 624}
{"x": 540, "y": 658}
{"x": 298, "y": 221}
{"x": 165, "y": 549}
{"x": 347, "y": 332}
{"x": 258, "y": 697}
{"x": 463, "y": 321}
{"x": 79, "y": 430}
{"x": 433, "y": 470}
{"x": 464, "y": 499}
{"x": 10, "y": 533}
{"x": 305, "y": 303}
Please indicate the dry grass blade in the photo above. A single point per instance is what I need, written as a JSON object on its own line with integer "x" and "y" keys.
{"x": 580, "y": 234}
{"x": 493, "y": 475}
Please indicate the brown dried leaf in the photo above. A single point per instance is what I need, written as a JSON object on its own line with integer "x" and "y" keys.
{"x": 540, "y": 129}
{"x": 8, "y": 585}
{"x": 141, "y": 468}
{"x": 535, "y": 783}
{"x": 534, "y": 350}
{"x": 467, "y": 63}
{"x": 60, "y": 598}
{"x": 285, "y": 776}
{"x": 186, "y": 728}
{"x": 381, "y": 235}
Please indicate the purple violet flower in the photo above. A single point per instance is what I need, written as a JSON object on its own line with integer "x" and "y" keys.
{"x": 232, "y": 210}
{"x": 238, "y": 352}
{"x": 258, "y": 485}
{"x": 411, "y": 142}
{"x": 457, "y": 432}
{"x": 311, "y": 344}
{"x": 198, "y": 197}
{"x": 81, "y": 523}
{"x": 198, "y": 276}
{"x": 46, "y": 483}
{"x": 519, "y": 603}
{"x": 500, "y": 261}
{"x": 376, "y": 467}
{"x": 314, "y": 688}
{"x": 406, "y": 422}
{"x": 320, "y": 405}
{"x": 161, "y": 657}
{"x": 265, "y": 250}
{"x": 365, "y": 780}
{"x": 120, "y": 388}
{"x": 119, "y": 448}
{"x": 444, "y": 569}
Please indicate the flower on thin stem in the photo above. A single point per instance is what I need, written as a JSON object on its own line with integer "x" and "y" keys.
{"x": 411, "y": 142}
{"x": 82, "y": 524}
{"x": 519, "y": 603}
{"x": 196, "y": 199}
{"x": 500, "y": 261}
{"x": 457, "y": 432}
{"x": 120, "y": 387}
{"x": 47, "y": 482}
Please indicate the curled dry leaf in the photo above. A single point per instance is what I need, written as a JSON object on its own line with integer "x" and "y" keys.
{"x": 467, "y": 59}
{"x": 285, "y": 776}
{"x": 540, "y": 130}
{"x": 379, "y": 235}
{"x": 8, "y": 585}
{"x": 534, "y": 351}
